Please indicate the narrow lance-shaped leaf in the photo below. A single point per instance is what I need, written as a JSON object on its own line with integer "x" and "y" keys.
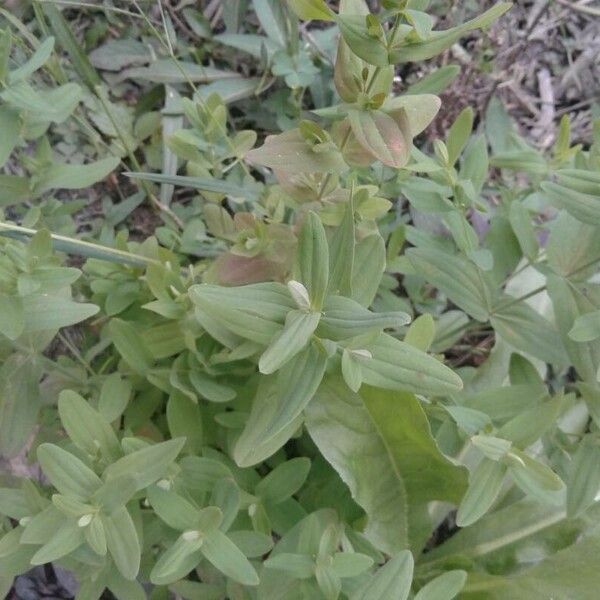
{"x": 312, "y": 261}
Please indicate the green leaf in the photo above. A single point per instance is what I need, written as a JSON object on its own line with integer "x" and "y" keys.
{"x": 69, "y": 475}
{"x": 10, "y": 126}
{"x": 283, "y": 481}
{"x": 66, "y": 538}
{"x": 436, "y": 81}
{"x": 369, "y": 265}
{"x": 381, "y": 136}
{"x": 146, "y": 465}
{"x": 464, "y": 284}
{"x": 172, "y": 508}
{"x": 377, "y": 460}
{"x": 439, "y": 41}
{"x": 312, "y": 260}
{"x": 255, "y": 312}
{"x": 130, "y": 345}
{"x": 177, "y": 561}
{"x": 204, "y": 184}
{"x": 341, "y": 255}
{"x": 66, "y": 39}
{"x": 484, "y": 486}
{"x": 47, "y": 312}
{"x": 297, "y": 332}
{"x": 311, "y": 9}
{"x": 350, "y": 564}
{"x": 421, "y": 333}
{"x": 86, "y": 427}
{"x": 122, "y": 542}
{"x": 95, "y": 536}
{"x": 520, "y": 221}
{"x": 459, "y": 133}
{"x": 297, "y": 566}
{"x": 390, "y": 582}
{"x": 444, "y": 587}
{"x": 529, "y": 332}
{"x": 568, "y": 573}
{"x": 584, "y": 207}
{"x": 584, "y": 477}
{"x": 534, "y": 477}
{"x": 586, "y": 327}
{"x": 19, "y": 401}
{"x": 396, "y": 365}
{"x": 185, "y": 420}
{"x": 73, "y": 177}
{"x": 278, "y": 405}
{"x": 356, "y": 34}
{"x": 291, "y": 153}
{"x": 114, "y": 397}
{"x": 219, "y": 550}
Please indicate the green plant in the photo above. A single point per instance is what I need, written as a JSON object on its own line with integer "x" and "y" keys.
{"x": 244, "y": 408}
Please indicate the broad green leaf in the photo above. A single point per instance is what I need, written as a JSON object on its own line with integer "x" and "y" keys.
{"x": 312, "y": 260}
{"x": 45, "y": 312}
{"x": 584, "y": 207}
{"x": 436, "y": 81}
{"x": 67, "y": 538}
{"x": 421, "y": 333}
{"x": 86, "y": 427}
{"x": 390, "y": 582}
{"x": 341, "y": 254}
{"x": 122, "y": 541}
{"x": 584, "y": 477}
{"x": 371, "y": 461}
{"x": 114, "y": 397}
{"x": 444, "y": 587}
{"x": 459, "y": 133}
{"x": 69, "y": 475}
{"x": 534, "y": 477}
{"x": 172, "y": 508}
{"x": 278, "y": 405}
{"x": 73, "y": 177}
{"x": 283, "y": 481}
{"x": 19, "y": 401}
{"x": 464, "y": 284}
{"x": 116, "y": 492}
{"x": 350, "y": 564}
{"x": 298, "y": 566}
{"x": 570, "y": 301}
{"x": 185, "y": 420}
{"x": 356, "y": 34}
{"x": 13, "y": 189}
{"x": 295, "y": 336}
{"x": 148, "y": 464}
{"x": 219, "y": 550}
{"x": 396, "y": 365}
{"x": 179, "y": 559}
{"x": 484, "y": 486}
{"x": 413, "y": 112}
{"x": 311, "y": 9}
{"x": 11, "y": 128}
{"x": 520, "y": 221}
{"x": 291, "y": 153}
{"x": 95, "y": 536}
{"x": 130, "y": 345}
{"x": 369, "y": 265}
{"x": 527, "y": 331}
{"x": 328, "y": 581}
{"x": 586, "y": 327}
{"x": 272, "y": 19}
{"x": 381, "y": 136}
{"x": 255, "y": 312}
{"x": 438, "y": 41}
